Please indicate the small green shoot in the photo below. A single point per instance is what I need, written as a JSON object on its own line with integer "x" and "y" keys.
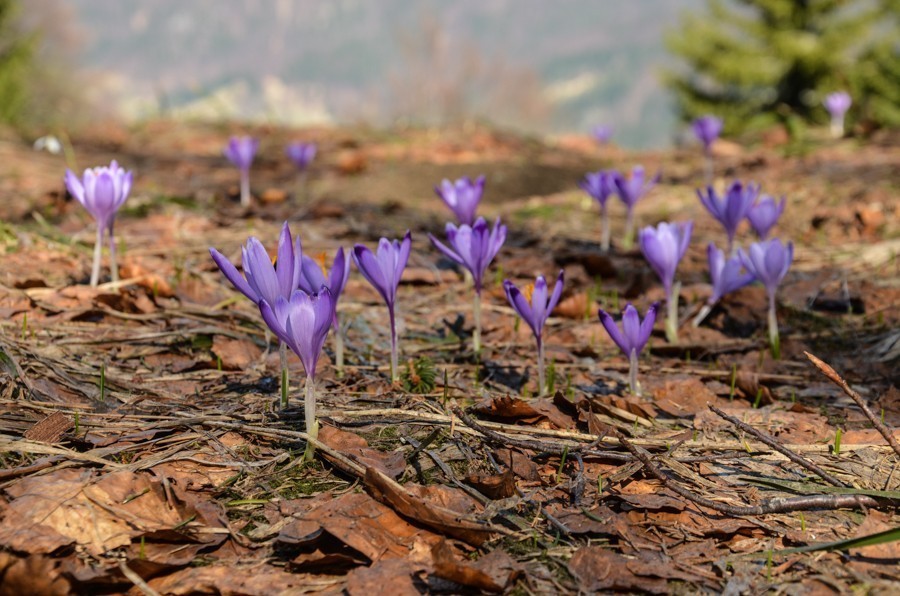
{"x": 837, "y": 442}
{"x": 562, "y": 463}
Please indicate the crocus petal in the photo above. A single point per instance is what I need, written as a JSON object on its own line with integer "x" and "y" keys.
{"x": 448, "y": 252}
{"x": 557, "y": 292}
{"x": 539, "y": 304}
{"x": 369, "y": 266}
{"x": 519, "y": 303}
{"x": 284, "y": 272}
{"x": 232, "y": 275}
{"x": 631, "y": 328}
{"x": 260, "y": 272}
{"x": 76, "y": 189}
{"x": 273, "y": 321}
{"x": 613, "y": 330}
{"x": 647, "y": 326}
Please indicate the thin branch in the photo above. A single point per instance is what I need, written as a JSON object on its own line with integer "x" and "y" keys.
{"x": 835, "y": 378}
{"x": 771, "y": 442}
{"x": 777, "y": 505}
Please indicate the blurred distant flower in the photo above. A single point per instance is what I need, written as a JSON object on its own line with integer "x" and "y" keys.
{"x": 602, "y": 133}
{"x": 764, "y": 214}
{"x": 730, "y": 209}
{"x": 632, "y": 338}
{"x": 535, "y": 306}
{"x": 48, "y": 143}
{"x": 240, "y": 151}
{"x": 473, "y": 247}
{"x": 663, "y": 247}
{"x": 707, "y": 129}
{"x": 631, "y": 190}
{"x": 600, "y": 186}
{"x": 462, "y": 196}
{"x": 264, "y": 281}
{"x": 383, "y": 269}
{"x": 726, "y": 277}
{"x": 302, "y": 323}
{"x": 101, "y": 191}
{"x": 314, "y": 276}
{"x": 301, "y": 154}
{"x": 837, "y": 104}
{"x": 769, "y": 261}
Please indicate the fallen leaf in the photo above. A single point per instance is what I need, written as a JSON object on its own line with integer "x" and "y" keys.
{"x": 393, "y": 576}
{"x": 599, "y": 569}
{"x": 683, "y": 397}
{"x": 495, "y": 572}
{"x": 357, "y": 448}
{"x": 235, "y": 354}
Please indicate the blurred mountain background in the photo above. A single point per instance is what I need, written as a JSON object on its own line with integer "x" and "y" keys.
{"x": 531, "y": 65}
{"x": 527, "y": 64}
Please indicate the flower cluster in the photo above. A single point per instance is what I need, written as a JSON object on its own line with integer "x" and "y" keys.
{"x": 241, "y": 151}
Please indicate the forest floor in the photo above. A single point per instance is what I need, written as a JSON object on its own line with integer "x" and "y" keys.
{"x": 143, "y": 448}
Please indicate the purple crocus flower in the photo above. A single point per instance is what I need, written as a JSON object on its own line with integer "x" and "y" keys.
{"x": 769, "y": 261}
{"x": 462, "y": 196}
{"x": 764, "y": 214}
{"x": 301, "y": 154}
{"x": 263, "y": 281}
{"x": 600, "y": 186}
{"x": 726, "y": 277}
{"x": 240, "y": 151}
{"x": 102, "y": 191}
{"x": 837, "y": 104}
{"x": 663, "y": 247}
{"x": 302, "y": 323}
{"x": 534, "y": 310}
{"x": 383, "y": 270}
{"x": 707, "y": 129}
{"x": 632, "y": 337}
{"x": 730, "y": 209}
{"x": 602, "y": 133}
{"x": 631, "y": 190}
{"x": 313, "y": 276}
{"x": 473, "y": 247}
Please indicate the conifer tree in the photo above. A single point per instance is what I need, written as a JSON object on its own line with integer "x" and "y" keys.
{"x": 16, "y": 52}
{"x": 754, "y": 62}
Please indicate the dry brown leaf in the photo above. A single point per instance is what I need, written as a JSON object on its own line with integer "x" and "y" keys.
{"x": 75, "y": 506}
{"x": 33, "y": 574}
{"x": 235, "y": 354}
{"x": 448, "y": 566}
{"x": 392, "y": 576}
{"x": 455, "y": 523}
{"x": 357, "y": 448}
{"x": 599, "y": 569}
{"x": 683, "y": 397}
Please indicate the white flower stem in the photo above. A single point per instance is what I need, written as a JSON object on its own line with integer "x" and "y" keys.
{"x": 395, "y": 371}
{"x": 628, "y": 242}
{"x": 672, "y": 314}
{"x": 837, "y": 127}
{"x": 98, "y": 253}
{"x": 542, "y": 388}
{"x": 312, "y": 425}
{"x": 774, "y": 340}
{"x": 303, "y": 185}
{"x": 476, "y": 315}
{"x": 604, "y": 230}
{"x": 282, "y": 354}
{"x": 708, "y": 167}
{"x": 113, "y": 267}
{"x": 704, "y": 312}
{"x": 632, "y": 373}
{"x": 245, "y": 188}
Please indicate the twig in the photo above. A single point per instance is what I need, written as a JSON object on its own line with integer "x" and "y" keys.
{"x": 771, "y": 442}
{"x": 136, "y": 579}
{"x": 835, "y": 378}
{"x": 776, "y": 505}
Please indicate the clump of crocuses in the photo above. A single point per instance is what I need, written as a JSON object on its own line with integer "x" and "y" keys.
{"x": 302, "y": 323}
{"x": 730, "y": 209}
{"x": 726, "y": 276}
{"x": 383, "y": 269}
{"x": 600, "y": 186}
{"x": 837, "y": 104}
{"x": 240, "y": 151}
{"x": 764, "y": 214}
{"x": 102, "y": 191}
{"x": 462, "y": 197}
{"x": 631, "y": 190}
{"x": 769, "y": 261}
{"x": 534, "y": 306}
{"x": 663, "y": 247}
{"x": 473, "y": 247}
{"x": 263, "y": 281}
{"x": 707, "y": 129}
{"x": 314, "y": 276}
{"x": 631, "y": 338}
